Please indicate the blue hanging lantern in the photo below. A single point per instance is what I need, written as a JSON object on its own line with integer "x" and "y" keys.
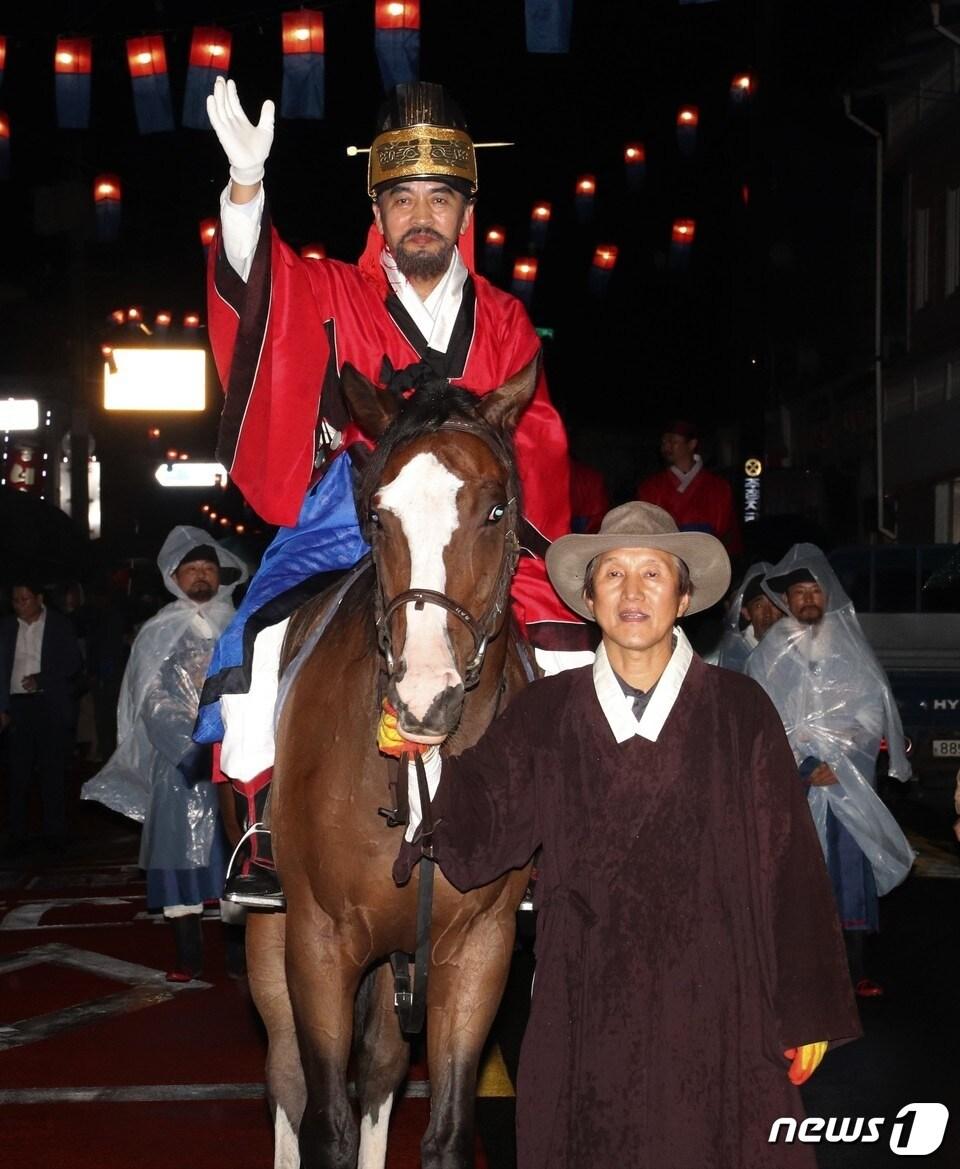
{"x": 548, "y": 25}
{"x": 147, "y": 62}
{"x": 72, "y": 65}
{"x": 539, "y": 225}
{"x": 302, "y": 94}
{"x": 209, "y": 59}
{"x": 4, "y": 146}
{"x": 688, "y": 119}
{"x": 681, "y": 244}
{"x": 107, "y": 200}
{"x": 524, "y": 279}
{"x": 397, "y": 41}
{"x": 584, "y": 195}
{"x": 741, "y": 89}
{"x": 493, "y": 243}
{"x": 601, "y": 269}
{"x": 635, "y": 165}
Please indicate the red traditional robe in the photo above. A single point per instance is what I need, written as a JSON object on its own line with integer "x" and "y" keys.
{"x": 705, "y": 505}
{"x": 280, "y": 340}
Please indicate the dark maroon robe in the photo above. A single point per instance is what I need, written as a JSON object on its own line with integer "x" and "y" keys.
{"x": 687, "y": 933}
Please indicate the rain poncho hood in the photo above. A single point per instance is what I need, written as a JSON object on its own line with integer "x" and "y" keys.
{"x": 837, "y": 707}
{"x": 738, "y": 642}
{"x": 159, "y": 694}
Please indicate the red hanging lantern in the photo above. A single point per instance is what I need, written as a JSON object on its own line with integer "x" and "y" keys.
{"x": 107, "y": 197}
{"x": 191, "y": 321}
{"x": 396, "y": 14}
{"x": 72, "y": 64}
{"x": 3, "y": 56}
{"x": 208, "y": 232}
{"x": 539, "y": 222}
{"x": 605, "y": 257}
{"x": 524, "y": 278}
{"x": 741, "y": 88}
{"x": 584, "y": 192}
{"x": 313, "y": 252}
{"x": 303, "y": 31}
{"x": 635, "y": 164}
{"x": 683, "y": 231}
{"x": 147, "y": 62}
{"x": 688, "y": 118}
{"x": 209, "y": 59}
{"x": 302, "y": 92}
{"x": 396, "y": 40}
{"x": 493, "y": 243}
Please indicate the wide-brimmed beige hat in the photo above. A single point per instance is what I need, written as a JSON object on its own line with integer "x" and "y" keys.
{"x": 640, "y": 525}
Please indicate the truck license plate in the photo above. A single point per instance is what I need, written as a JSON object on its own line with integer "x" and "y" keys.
{"x": 946, "y": 748}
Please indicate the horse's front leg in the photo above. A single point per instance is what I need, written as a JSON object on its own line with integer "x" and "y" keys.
{"x": 467, "y": 977}
{"x": 322, "y": 976}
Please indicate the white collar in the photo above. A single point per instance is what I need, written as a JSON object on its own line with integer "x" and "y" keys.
{"x": 687, "y": 477}
{"x": 619, "y": 714}
{"x": 435, "y": 316}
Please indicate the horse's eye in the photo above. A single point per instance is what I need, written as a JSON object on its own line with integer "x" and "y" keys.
{"x": 497, "y": 512}
{"x": 374, "y": 517}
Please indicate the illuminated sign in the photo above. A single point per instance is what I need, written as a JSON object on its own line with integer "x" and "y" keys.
{"x": 159, "y": 380}
{"x": 752, "y": 469}
{"x": 19, "y": 414}
{"x": 182, "y": 474}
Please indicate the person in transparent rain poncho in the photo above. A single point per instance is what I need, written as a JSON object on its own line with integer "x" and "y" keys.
{"x": 158, "y": 775}
{"x": 838, "y": 710}
{"x": 749, "y": 615}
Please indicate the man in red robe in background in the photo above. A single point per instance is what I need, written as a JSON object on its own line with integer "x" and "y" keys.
{"x": 697, "y": 499}
{"x": 411, "y": 311}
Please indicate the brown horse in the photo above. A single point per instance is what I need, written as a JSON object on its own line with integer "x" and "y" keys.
{"x": 439, "y": 502}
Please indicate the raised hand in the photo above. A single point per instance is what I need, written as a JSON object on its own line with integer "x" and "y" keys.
{"x": 246, "y": 146}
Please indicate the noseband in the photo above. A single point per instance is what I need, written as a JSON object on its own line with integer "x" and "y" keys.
{"x": 486, "y": 627}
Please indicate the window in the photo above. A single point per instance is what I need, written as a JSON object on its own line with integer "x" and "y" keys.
{"x": 952, "y": 265}
{"x": 921, "y": 258}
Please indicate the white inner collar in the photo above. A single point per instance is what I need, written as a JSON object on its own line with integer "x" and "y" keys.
{"x": 618, "y": 710}
{"x": 435, "y": 316}
{"x": 687, "y": 477}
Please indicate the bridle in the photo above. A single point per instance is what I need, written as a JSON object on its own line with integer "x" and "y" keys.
{"x": 481, "y": 629}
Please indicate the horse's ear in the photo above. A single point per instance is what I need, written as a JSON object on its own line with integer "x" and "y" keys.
{"x": 502, "y": 408}
{"x": 370, "y": 408}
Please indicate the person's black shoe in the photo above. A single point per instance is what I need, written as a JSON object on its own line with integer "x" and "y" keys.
{"x": 258, "y": 889}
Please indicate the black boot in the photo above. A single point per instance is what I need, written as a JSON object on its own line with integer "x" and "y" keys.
{"x": 252, "y": 880}
{"x": 188, "y": 939}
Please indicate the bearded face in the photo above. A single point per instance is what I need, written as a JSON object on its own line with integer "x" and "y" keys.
{"x": 807, "y": 602}
{"x": 421, "y": 221}
{"x": 199, "y": 580}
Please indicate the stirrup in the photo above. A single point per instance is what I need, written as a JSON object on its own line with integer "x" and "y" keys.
{"x": 258, "y": 889}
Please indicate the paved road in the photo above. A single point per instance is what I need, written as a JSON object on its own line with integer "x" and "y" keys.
{"x": 103, "y": 1064}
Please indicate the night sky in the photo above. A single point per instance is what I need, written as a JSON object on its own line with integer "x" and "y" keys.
{"x": 713, "y": 343}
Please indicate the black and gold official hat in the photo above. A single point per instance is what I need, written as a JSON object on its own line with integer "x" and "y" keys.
{"x": 421, "y": 134}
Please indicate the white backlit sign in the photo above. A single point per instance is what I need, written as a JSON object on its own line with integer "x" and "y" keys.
{"x": 155, "y": 380}
{"x": 191, "y": 475}
{"x": 19, "y": 414}
{"x": 753, "y": 469}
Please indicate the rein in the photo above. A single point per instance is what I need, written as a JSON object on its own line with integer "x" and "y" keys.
{"x": 411, "y": 1001}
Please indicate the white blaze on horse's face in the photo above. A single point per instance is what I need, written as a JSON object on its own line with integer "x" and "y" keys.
{"x": 423, "y": 497}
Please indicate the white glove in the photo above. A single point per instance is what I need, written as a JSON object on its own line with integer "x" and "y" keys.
{"x": 245, "y": 145}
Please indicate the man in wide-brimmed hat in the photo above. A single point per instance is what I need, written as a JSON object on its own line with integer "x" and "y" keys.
{"x": 690, "y": 970}
{"x": 412, "y": 310}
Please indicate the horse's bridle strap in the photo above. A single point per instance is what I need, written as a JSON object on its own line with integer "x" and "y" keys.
{"x": 421, "y": 597}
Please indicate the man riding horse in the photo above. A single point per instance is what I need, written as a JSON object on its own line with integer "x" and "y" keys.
{"x": 411, "y": 312}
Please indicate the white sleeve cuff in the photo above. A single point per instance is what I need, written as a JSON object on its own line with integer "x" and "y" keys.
{"x": 240, "y": 229}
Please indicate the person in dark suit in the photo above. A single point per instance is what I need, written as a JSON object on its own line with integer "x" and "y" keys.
{"x": 39, "y": 664}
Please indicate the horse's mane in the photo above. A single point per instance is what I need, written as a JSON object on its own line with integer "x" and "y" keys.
{"x": 424, "y": 412}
